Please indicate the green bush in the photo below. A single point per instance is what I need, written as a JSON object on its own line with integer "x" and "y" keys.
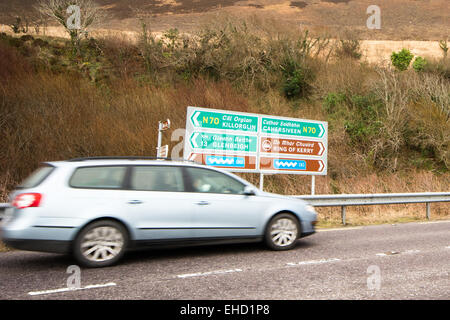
{"x": 363, "y": 123}
{"x": 402, "y": 59}
{"x": 332, "y": 101}
{"x": 297, "y": 80}
{"x": 419, "y": 64}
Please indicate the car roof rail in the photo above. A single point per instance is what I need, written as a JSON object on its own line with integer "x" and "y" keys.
{"x": 127, "y": 158}
{"x": 118, "y": 158}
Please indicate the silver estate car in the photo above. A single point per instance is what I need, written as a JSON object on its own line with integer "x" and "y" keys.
{"x": 97, "y": 208}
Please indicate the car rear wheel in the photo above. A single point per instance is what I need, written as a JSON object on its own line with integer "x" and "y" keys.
{"x": 282, "y": 232}
{"x": 101, "y": 244}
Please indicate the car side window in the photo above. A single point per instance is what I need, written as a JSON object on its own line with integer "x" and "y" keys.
{"x": 98, "y": 177}
{"x": 210, "y": 181}
{"x": 157, "y": 178}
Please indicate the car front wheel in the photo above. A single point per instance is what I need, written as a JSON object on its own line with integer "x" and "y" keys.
{"x": 101, "y": 244}
{"x": 282, "y": 232}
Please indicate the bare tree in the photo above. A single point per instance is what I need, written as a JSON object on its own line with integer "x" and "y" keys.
{"x": 76, "y": 16}
{"x": 20, "y": 20}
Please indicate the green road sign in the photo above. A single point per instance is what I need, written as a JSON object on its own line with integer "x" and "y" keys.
{"x": 292, "y": 127}
{"x": 224, "y": 121}
{"x": 223, "y": 142}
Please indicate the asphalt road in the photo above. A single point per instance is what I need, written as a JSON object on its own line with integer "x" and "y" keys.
{"x": 403, "y": 261}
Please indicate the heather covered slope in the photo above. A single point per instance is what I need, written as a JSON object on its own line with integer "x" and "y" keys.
{"x": 401, "y": 19}
{"x": 388, "y": 129}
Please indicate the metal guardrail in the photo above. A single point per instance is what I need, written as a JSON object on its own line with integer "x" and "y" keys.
{"x": 3, "y": 206}
{"x": 344, "y": 200}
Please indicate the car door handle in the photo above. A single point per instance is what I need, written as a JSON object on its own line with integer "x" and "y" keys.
{"x": 134, "y": 202}
{"x": 202, "y": 203}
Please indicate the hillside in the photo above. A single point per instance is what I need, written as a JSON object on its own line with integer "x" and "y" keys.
{"x": 389, "y": 130}
{"x": 401, "y": 19}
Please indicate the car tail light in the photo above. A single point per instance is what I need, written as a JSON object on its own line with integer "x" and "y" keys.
{"x": 27, "y": 200}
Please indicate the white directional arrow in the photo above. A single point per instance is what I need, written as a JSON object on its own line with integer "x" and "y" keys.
{"x": 322, "y": 148}
{"x": 191, "y": 157}
{"x": 195, "y": 119}
{"x": 320, "y": 165}
{"x": 322, "y": 130}
{"x": 194, "y": 139}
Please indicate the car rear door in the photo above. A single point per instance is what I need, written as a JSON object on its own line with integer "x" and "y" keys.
{"x": 158, "y": 204}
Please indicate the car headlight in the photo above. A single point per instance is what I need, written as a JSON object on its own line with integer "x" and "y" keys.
{"x": 310, "y": 208}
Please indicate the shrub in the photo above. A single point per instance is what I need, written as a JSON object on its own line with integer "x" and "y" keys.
{"x": 332, "y": 101}
{"x": 439, "y": 67}
{"x": 402, "y": 59}
{"x": 296, "y": 80}
{"x": 349, "y": 48}
{"x": 363, "y": 123}
{"x": 444, "y": 47}
{"x": 419, "y": 64}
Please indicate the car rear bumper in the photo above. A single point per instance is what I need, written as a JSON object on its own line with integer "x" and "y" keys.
{"x": 53, "y": 246}
{"x": 20, "y": 239}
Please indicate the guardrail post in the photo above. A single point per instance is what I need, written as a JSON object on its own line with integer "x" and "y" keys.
{"x": 343, "y": 215}
{"x": 428, "y": 211}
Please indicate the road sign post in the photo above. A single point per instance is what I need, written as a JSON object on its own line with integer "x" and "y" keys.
{"x": 261, "y": 181}
{"x": 162, "y": 126}
{"x": 163, "y": 152}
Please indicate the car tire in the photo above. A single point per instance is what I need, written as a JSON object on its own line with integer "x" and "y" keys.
{"x": 282, "y": 232}
{"x": 100, "y": 244}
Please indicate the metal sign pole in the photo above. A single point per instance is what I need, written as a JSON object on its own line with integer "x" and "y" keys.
{"x": 261, "y": 181}
{"x": 159, "y": 135}
{"x": 162, "y": 126}
{"x": 313, "y": 184}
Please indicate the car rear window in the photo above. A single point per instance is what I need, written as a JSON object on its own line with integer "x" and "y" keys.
{"x": 98, "y": 177}
{"x": 37, "y": 177}
{"x": 157, "y": 178}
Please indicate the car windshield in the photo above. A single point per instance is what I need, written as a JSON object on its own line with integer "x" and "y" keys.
{"x": 36, "y": 178}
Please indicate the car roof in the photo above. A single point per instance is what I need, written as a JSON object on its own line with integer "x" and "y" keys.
{"x": 105, "y": 162}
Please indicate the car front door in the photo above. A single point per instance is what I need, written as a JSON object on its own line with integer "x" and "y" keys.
{"x": 222, "y": 209}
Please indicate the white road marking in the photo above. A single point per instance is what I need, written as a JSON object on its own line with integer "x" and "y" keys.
{"x": 312, "y": 262}
{"x": 361, "y": 227}
{"x": 201, "y": 274}
{"x": 410, "y": 251}
{"x": 338, "y": 229}
{"x": 391, "y": 253}
{"x": 429, "y": 222}
{"x": 93, "y": 286}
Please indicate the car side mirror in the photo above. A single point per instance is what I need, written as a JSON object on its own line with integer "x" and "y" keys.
{"x": 249, "y": 191}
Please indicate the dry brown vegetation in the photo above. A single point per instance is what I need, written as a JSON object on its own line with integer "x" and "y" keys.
{"x": 389, "y": 130}
{"x": 401, "y": 19}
